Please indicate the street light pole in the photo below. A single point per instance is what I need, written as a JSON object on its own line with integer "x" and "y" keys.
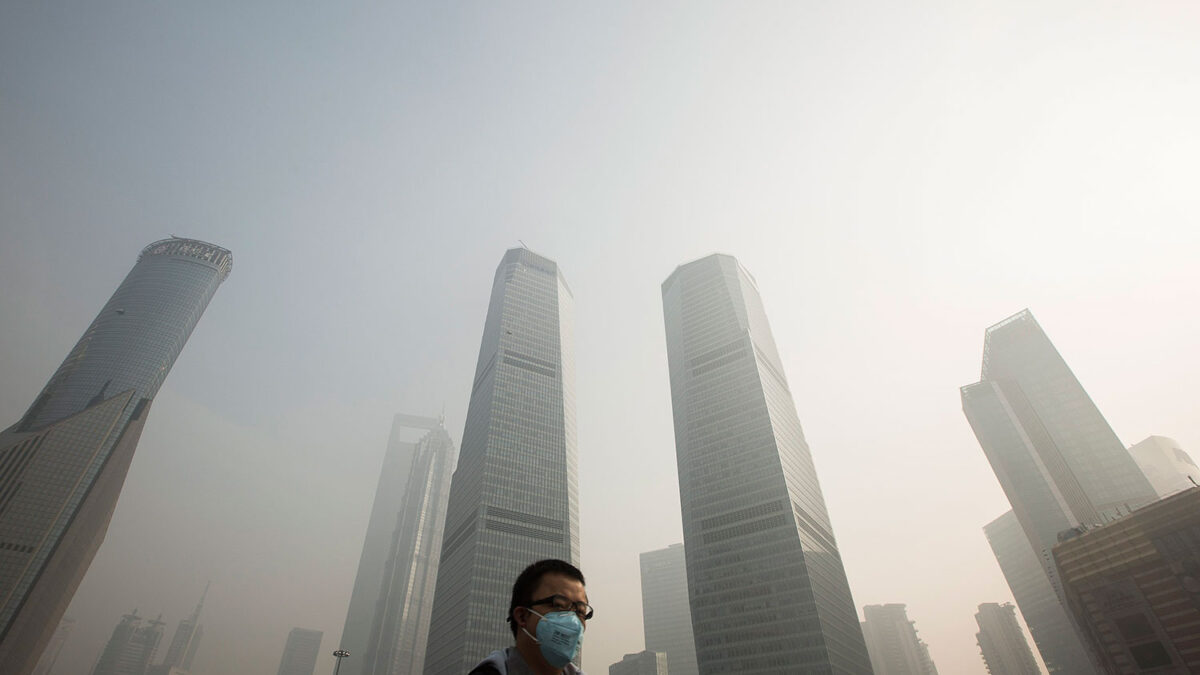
{"x": 339, "y": 655}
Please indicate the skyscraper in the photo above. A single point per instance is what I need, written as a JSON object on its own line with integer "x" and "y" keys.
{"x": 1134, "y": 585}
{"x": 400, "y": 625}
{"x": 379, "y": 545}
{"x": 892, "y": 642}
{"x": 1056, "y": 457}
{"x": 666, "y": 614}
{"x": 1052, "y": 630}
{"x": 63, "y": 463}
{"x": 1168, "y": 468}
{"x": 514, "y": 496}
{"x": 1001, "y": 643}
{"x": 300, "y": 652}
{"x": 182, "y": 650}
{"x": 767, "y": 588}
{"x": 642, "y": 663}
{"x": 131, "y": 646}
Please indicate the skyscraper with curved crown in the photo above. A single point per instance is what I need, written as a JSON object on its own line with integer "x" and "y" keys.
{"x": 63, "y": 463}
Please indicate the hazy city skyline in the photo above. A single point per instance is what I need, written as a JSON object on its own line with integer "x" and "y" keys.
{"x": 897, "y": 178}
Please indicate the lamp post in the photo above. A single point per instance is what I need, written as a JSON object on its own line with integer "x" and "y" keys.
{"x": 339, "y": 655}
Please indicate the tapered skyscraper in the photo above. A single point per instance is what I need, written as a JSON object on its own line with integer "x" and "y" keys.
{"x": 768, "y": 590}
{"x": 514, "y": 496}
{"x": 62, "y": 464}
{"x": 1056, "y": 457}
{"x": 399, "y": 628}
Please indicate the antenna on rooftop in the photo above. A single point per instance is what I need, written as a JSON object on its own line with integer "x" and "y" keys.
{"x": 523, "y": 245}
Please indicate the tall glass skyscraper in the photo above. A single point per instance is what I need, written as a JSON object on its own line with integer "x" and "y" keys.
{"x": 1056, "y": 457}
{"x": 514, "y": 498}
{"x": 399, "y": 628}
{"x": 62, "y": 465}
{"x": 768, "y": 590}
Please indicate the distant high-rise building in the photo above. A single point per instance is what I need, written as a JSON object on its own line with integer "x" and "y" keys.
{"x": 45, "y": 664}
{"x": 1052, "y": 630}
{"x": 1168, "y": 468}
{"x": 182, "y": 649}
{"x": 1134, "y": 585}
{"x": 131, "y": 647}
{"x": 1056, "y": 457}
{"x": 300, "y": 653}
{"x": 766, "y": 584}
{"x": 642, "y": 663}
{"x": 666, "y": 615}
{"x": 64, "y": 462}
{"x": 892, "y": 642}
{"x": 381, "y": 529}
{"x": 514, "y": 496}
{"x": 400, "y": 625}
{"x": 1004, "y": 648}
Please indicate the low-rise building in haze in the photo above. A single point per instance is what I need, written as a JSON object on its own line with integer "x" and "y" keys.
{"x": 892, "y": 642}
{"x": 1134, "y": 586}
{"x": 1003, "y": 646}
{"x": 1168, "y": 468}
{"x": 641, "y": 663}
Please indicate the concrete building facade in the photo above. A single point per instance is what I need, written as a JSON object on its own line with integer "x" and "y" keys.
{"x": 767, "y": 589}
{"x": 892, "y": 642}
{"x": 62, "y": 465}
{"x": 1134, "y": 585}
{"x": 514, "y": 497}
{"x": 1001, "y": 642}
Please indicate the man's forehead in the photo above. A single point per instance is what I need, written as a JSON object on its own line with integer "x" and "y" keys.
{"x": 554, "y": 582}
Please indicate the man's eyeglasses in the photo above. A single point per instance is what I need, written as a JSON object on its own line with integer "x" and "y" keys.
{"x": 563, "y": 604}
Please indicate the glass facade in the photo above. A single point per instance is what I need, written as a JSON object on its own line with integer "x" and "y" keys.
{"x": 666, "y": 613}
{"x": 1053, "y": 633}
{"x": 1056, "y": 457}
{"x": 400, "y": 625}
{"x": 377, "y": 547}
{"x": 514, "y": 496}
{"x": 767, "y": 589}
{"x": 62, "y": 465}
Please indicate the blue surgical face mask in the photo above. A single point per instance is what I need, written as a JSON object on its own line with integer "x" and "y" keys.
{"x": 559, "y": 636}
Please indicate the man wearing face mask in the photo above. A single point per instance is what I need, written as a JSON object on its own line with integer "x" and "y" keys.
{"x": 548, "y": 613}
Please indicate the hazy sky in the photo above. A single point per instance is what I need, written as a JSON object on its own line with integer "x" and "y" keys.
{"x": 897, "y": 176}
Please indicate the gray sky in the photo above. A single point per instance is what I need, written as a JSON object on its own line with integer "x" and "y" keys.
{"x": 896, "y": 178}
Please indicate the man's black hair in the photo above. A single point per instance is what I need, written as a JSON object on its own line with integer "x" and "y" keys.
{"x": 528, "y": 581}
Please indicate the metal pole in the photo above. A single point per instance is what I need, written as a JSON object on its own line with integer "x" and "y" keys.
{"x": 339, "y": 655}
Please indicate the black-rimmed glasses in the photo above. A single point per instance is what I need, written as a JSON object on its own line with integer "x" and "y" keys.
{"x": 564, "y": 604}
